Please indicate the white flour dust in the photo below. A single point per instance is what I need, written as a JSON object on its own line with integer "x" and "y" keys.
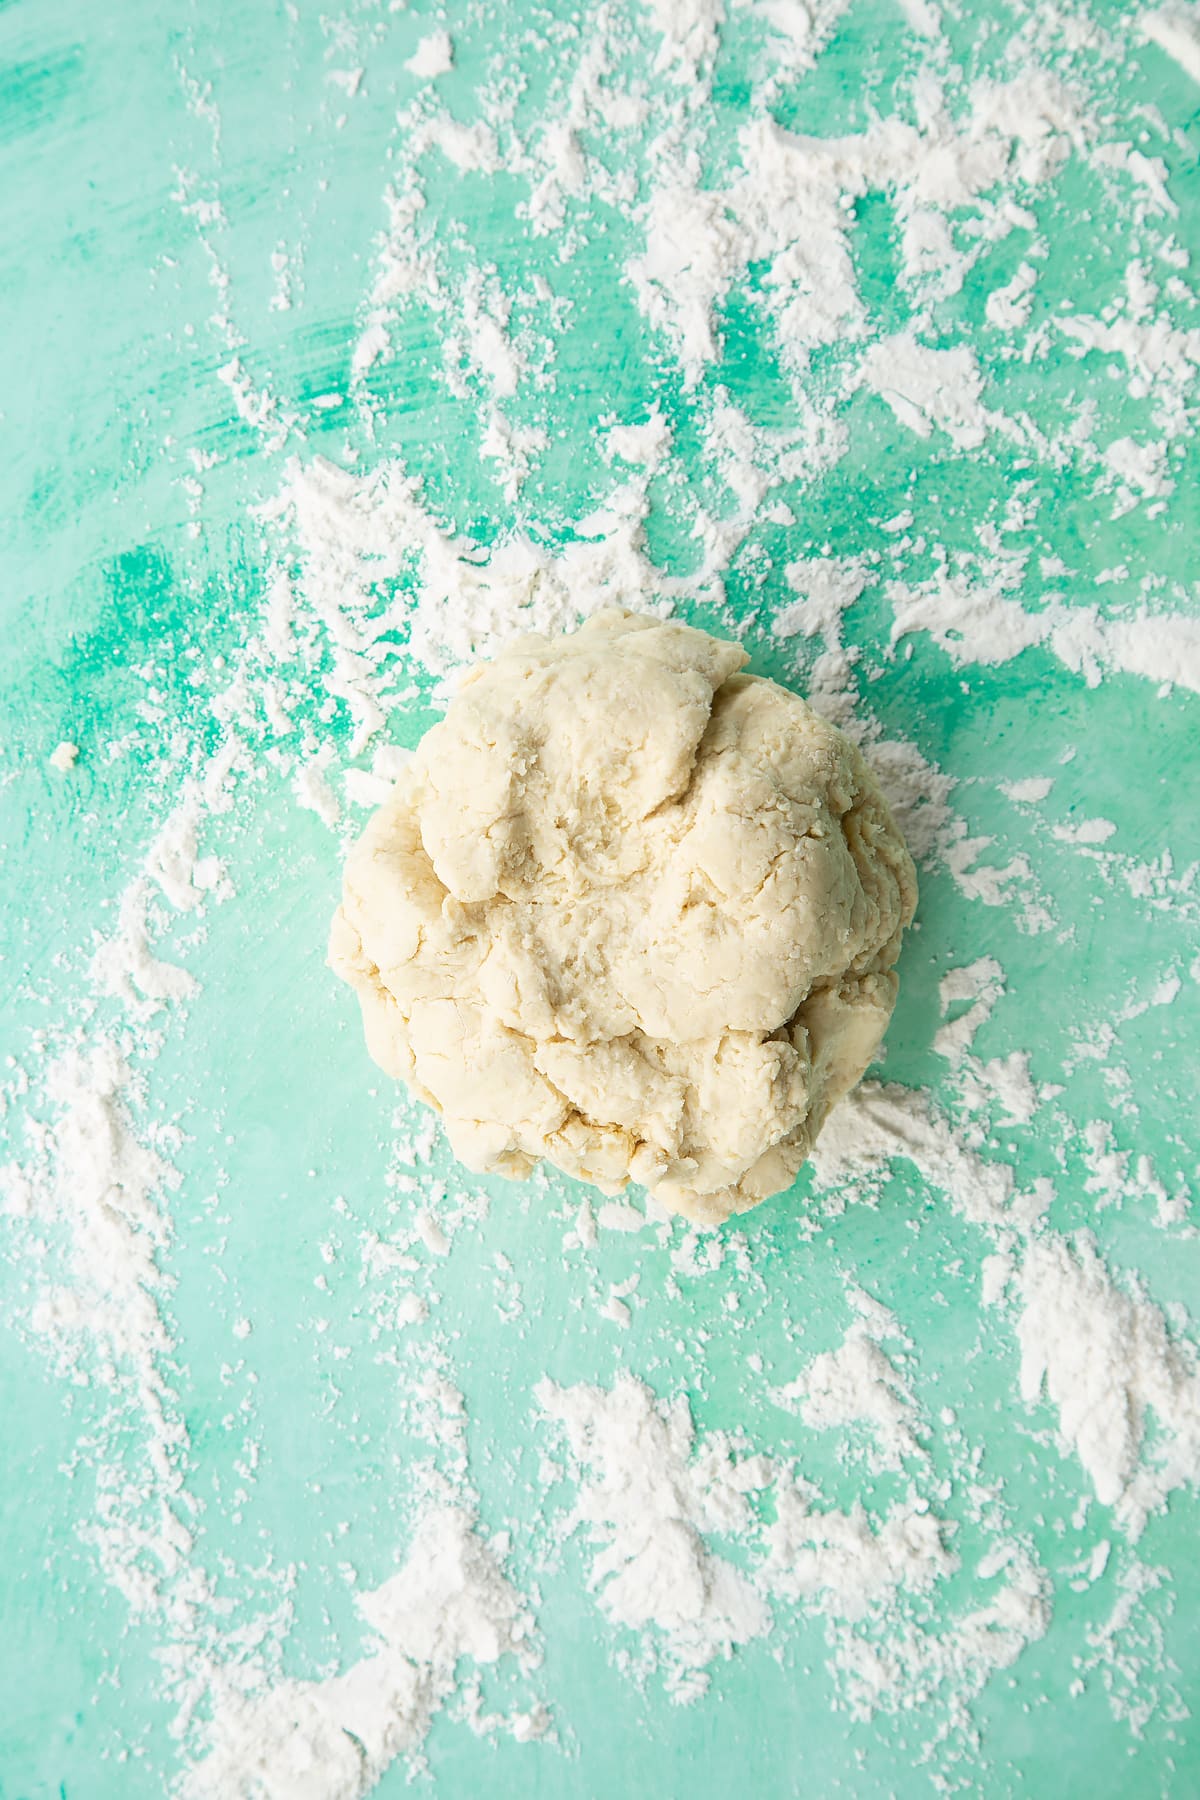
{"x": 646, "y": 1506}
{"x": 332, "y": 1739}
{"x": 1108, "y": 1362}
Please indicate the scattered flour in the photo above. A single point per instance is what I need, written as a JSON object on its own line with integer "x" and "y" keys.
{"x": 878, "y": 1123}
{"x": 860, "y": 1384}
{"x": 981, "y": 984}
{"x": 653, "y": 1497}
{"x": 433, "y": 56}
{"x": 333, "y": 1739}
{"x": 928, "y": 388}
{"x": 1028, "y": 792}
{"x": 848, "y": 1569}
{"x": 1176, "y": 29}
{"x": 646, "y": 1506}
{"x": 978, "y": 624}
{"x": 1106, "y": 1360}
{"x": 646, "y": 444}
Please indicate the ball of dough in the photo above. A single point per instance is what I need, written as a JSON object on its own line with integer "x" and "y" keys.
{"x": 631, "y": 911}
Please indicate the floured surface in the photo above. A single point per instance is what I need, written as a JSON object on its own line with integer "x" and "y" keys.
{"x": 858, "y": 333}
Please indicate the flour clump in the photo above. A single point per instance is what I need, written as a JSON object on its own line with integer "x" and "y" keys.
{"x": 632, "y": 911}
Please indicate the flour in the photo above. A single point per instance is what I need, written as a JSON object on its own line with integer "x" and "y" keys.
{"x": 468, "y": 148}
{"x": 788, "y": 201}
{"x": 354, "y": 538}
{"x": 877, "y": 1123}
{"x": 313, "y": 790}
{"x": 975, "y": 623}
{"x": 370, "y": 565}
{"x": 845, "y": 1567}
{"x": 646, "y": 444}
{"x": 653, "y": 1495}
{"x": 333, "y": 1739}
{"x": 860, "y": 1384}
{"x": 1107, "y": 1359}
{"x": 1029, "y": 791}
{"x": 1176, "y": 30}
{"x": 928, "y": 388}
{"x": 1085, "y": 831}
{"x": 645, "y": 1508}
{"x": 787, "y": 209}
{"x": 124, "y": 965}
{"x": 826, "y": 587}
{"x": 87, "y": 1173}
{"x": 981, "y": 984}
{"x": 1009, "y": 307}
{"x": 1127, "y": 1650}
{"x": 1160, "y": 360}
{"x": 433, "y": 56}
{"x": 689, "y": 34}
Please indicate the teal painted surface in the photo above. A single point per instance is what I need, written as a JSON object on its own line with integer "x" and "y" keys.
{"x": 108, "y": 376}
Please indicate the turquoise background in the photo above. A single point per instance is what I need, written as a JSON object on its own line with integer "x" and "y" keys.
{"x": 108, "y": 378}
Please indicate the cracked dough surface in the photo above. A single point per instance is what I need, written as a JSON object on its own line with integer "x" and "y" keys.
{"x": 632, "y": 911}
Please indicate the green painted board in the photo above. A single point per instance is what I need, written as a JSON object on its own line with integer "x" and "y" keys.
{"x": 182, "y": 187}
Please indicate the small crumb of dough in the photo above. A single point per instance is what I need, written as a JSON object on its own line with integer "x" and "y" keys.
{"x": 632, "y": 911}
{"x": 64, "y": 756}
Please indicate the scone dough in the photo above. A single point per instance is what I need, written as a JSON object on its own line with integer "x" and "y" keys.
{"x": 631, "y": 911}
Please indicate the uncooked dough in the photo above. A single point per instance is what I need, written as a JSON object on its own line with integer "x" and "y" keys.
{"x": 631, "y": 911}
